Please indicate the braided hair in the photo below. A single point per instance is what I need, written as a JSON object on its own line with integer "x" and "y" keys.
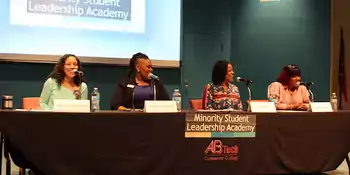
{"x": 133, "y": 62}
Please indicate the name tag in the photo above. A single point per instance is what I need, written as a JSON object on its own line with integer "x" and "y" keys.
{"x": 262, "y": 107}
{"x": 71, "y": 105}
{"x": 321, "y": 107}
{"x": 160, "y": 106}
{"x": 130, "y": 86}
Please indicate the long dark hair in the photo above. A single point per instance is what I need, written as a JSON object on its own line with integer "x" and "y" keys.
{"x": 288, "y": 72}
{"x": 219, "y": 72}
{"x": 58, "y": 71}
{"x": 132, "y": 63}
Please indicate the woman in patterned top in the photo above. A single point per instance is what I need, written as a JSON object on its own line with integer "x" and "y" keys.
{"x": 221, "y": 94}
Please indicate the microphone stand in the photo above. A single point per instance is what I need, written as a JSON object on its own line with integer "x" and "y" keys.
{"x": 154, "y": 90}
{"x": 249, "y": 91}
{"x": 80, "y": 83}
{"x": 312, "y": 97}
{"x": 133, "y": 100}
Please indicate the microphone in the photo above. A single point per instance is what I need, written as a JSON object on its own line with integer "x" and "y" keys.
{"x": 240, "y": 79}
{"x": 306, "y": 83}
{"x": 79, "y": 73}
{"x": 152, "y": 76}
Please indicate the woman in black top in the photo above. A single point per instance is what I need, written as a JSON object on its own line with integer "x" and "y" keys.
{"x": 138, "y": 86}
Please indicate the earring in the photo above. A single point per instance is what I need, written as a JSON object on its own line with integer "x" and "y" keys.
{"x": 138, "y": 71}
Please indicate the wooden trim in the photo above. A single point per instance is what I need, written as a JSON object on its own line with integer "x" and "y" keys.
{"x": 31, "y": 58}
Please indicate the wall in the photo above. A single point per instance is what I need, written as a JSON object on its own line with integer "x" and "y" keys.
{"x": 340, "y": 17}
{"x": 267, "y": 36}
{"x": 259, "y": 38}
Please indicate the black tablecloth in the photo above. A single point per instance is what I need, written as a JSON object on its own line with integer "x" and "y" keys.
{"x": 138, "y": 143}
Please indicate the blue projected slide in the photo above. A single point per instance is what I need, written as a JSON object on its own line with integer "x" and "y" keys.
{"x": 92, "y": 28}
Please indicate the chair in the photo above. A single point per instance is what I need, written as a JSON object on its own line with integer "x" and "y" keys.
{"x": 196, "y": 104}
{"x": 30, "y": 103}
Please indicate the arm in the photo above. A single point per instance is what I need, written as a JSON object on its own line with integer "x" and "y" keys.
{"x": 239, "y": 104}
{"x": 45, "y": 95}
{"x": 163, "y": 94}
{"x": 274, "y": 89}
{"x": 207, "y": 100}
{"x": 117, "y": 98}
{"x": 305, "y": 93}
{"x": 84, "y": 92}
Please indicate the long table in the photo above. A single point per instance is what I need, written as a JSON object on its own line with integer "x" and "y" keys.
{"x": 154, "y": 143}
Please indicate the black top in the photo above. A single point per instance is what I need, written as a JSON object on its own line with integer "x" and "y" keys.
{"x": 124, "y": 94}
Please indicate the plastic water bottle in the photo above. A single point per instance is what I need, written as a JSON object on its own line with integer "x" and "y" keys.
{"x": 273, "y": 98}
{"x": 177, "y": 98}
{"x": 95, "y": 100}
{"x": 334, "y": 101}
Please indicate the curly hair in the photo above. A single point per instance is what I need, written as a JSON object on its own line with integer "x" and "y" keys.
{"x": 132, "y": 63}
{"x": 219, "y": 72}
{"x": 58, "y": 71}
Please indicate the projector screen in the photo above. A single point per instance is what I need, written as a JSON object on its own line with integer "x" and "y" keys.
{"x": 97, "y": 31}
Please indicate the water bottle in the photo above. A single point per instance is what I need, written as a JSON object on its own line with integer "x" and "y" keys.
{"x": 177, "y": 98}
{"x": 334, "y": 102}
{"x": 273, "y": 98}
{"x": 95, "y": 100}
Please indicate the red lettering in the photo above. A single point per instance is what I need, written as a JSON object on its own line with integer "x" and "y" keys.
{"x": 218, "y": 145}
{"x": 210, "y": 148}
{"x": 235, "y": 149}
{"x": 215, "y": 147}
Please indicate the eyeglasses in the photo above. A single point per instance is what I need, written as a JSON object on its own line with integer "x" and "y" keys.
{"x": 295, "y": 78}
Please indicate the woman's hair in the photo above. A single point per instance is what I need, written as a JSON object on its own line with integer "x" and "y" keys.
{"x": 288, "y": 72}
{"x": 133, "y": 61}
{"x": 219, "y": 72}
{"x": 58, "y": 71}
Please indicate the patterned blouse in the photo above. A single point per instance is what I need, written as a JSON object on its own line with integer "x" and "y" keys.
{"x": 216, "y": 97}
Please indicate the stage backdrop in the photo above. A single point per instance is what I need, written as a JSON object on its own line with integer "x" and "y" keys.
{"x": 259, "y": 38}
{"x": 341, "y": 85}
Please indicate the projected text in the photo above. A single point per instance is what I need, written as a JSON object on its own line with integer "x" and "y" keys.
{"x": 111, "y": 9}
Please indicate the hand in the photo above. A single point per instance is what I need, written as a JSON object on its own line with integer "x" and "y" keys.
{"x": 303, "y": 106}
{"x": 122, "y": 108}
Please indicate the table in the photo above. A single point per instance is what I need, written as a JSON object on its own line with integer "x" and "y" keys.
{"x": 145, "y": 143}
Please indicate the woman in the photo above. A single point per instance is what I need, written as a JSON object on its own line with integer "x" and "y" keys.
{"x": 289, "y": 94}
{"x": 138, "y": 86}
{"x": 63, "y": 83}
{"x": 221, "y": 94}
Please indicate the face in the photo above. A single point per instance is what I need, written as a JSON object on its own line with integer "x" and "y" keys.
{"x": 295, "y": 81}
{"x": 144, "y": 68}
{"x": 229, "y": 74}
{"x": 70, "y": 64}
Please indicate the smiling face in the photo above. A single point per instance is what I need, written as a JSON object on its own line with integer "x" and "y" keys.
{"x": 294, "y": 81}
{"x": 70, "y": 65}
{"x": 144, "y": 68}
{"x": 230, "y": 73}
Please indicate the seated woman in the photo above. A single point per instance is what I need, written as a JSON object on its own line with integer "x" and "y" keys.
{"x": 138, "y": 86}
{"x": 63, "y": 83}
{"x": 221, "y": 94}
{"x": 289, "y": 94}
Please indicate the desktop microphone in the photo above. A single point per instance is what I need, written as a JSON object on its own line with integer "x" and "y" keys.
{"x": 153, "y": 77}
{"x": 306, "y": 83}
{"x": 79, "y": 73}
{"x": 240, "y": 79}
